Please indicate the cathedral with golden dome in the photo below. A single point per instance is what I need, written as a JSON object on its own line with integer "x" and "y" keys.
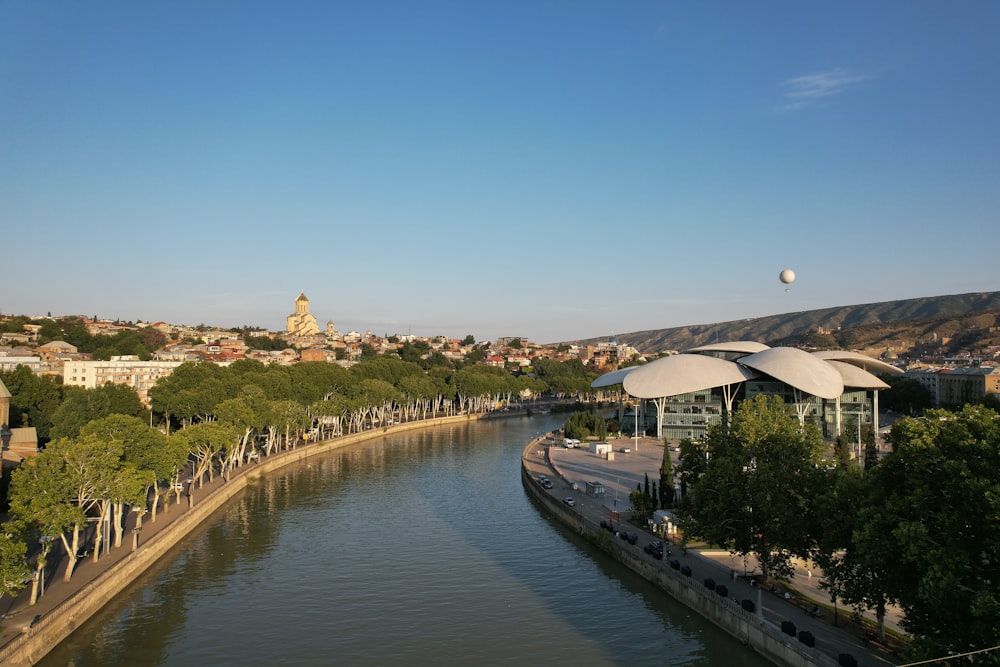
{"x": 302, "y": 322}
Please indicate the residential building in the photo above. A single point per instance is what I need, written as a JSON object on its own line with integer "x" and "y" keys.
{"x": 16, "y": 443}
{"x": 955, "y": 386}
{"x": 9, "y": 363}
{"x": 126, "y": 370}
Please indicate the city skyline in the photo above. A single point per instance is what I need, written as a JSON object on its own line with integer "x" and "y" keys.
{"x": 556, "y": 171}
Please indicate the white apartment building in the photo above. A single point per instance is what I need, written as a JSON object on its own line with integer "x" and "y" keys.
{"x": 11, "y": 363}
{"x": 126, "y": 370}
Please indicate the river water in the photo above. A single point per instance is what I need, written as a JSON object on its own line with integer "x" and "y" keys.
{"x": 416, "y": 548}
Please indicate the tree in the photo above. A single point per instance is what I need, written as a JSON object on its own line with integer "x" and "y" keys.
{"x": 643, "y": 504}
{"x": 205, "y": 442}
{"x": 248, "y": 413}
{"x": 415, "y": 352}
{"x": 939, "y": 523}
{"x": 192, "y": 391}
{"x": 755, "y": 496}
{"x": 583, "y": 425}
{"x": 842, "y": 451}
{"x": 33, "y": 401}
{"x": 666, "y": 479}
{"x": 13, "y": 567}
{"x": 856, "y": 564}
{"x": 57, "y": 491}
{"x": 148, "y": 458}
{"x": 80, "y": 406}
{"x": 906, "y": 396}
{"x": 870, "y": 444}
{"x": 692, "y": 462}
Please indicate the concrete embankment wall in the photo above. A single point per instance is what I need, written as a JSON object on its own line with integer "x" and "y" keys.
{"x": 762, "y": 637}
{"x": 56, "y": 626}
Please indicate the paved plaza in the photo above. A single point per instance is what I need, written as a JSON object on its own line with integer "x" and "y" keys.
{"x": 620, "y": 475}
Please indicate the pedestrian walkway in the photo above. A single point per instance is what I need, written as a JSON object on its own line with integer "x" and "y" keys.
{"x": 17, "y": 615}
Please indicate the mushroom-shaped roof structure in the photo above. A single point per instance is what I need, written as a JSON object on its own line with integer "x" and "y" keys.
{"x": 799, "y": 369}
{"x": 612, "y": 378}
{"x": 746, "y": 346}
{"x": 861, "y": 361}
{"x": 858, "y": 378}
{"x": 683, "y": 373}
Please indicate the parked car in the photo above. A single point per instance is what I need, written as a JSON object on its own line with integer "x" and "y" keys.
{"x": 656, "y": 550}
{"x": 625, "y": 450}
{"x": 631, "y": 538}
{"x": 569, "y": 501}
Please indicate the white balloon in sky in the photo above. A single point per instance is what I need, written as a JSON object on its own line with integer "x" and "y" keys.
{"x": 787, "y": 276}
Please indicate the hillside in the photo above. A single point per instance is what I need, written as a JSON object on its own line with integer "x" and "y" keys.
{"x": 929, "y": 326}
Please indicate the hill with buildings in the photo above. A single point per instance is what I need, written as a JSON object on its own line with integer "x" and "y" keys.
{"x": 928, "y": 327}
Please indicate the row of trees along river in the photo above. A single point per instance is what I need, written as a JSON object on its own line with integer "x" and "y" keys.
{"x": 919, "y": 528}
{"x": 105, "y": 457}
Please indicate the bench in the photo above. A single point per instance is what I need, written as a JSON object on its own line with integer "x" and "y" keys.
{"x": 871, "y": 639}
{"x": 807, "y": 606}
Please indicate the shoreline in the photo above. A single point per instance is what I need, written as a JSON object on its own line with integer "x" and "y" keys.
{"x": 30, "y": 632}
{"x": 771, "y": 627}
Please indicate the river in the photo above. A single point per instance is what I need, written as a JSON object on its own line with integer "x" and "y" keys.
{"x": 417, "y": 548}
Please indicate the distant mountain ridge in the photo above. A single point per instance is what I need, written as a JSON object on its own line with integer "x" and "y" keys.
{"x": 896, "y": 327}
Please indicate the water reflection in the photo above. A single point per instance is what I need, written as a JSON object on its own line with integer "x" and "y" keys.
{"x": 413, "y": 548}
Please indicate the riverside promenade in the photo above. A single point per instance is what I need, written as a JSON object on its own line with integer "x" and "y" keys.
{"x": 570, "y": 470}
{"x": 28, "y": 632}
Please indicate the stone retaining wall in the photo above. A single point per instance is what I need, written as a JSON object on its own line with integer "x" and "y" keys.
{"x": 762, "y": 637}
{"x": 57, "y": 625}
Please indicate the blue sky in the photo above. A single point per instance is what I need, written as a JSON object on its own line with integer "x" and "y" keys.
{"x": 555, "y": 169}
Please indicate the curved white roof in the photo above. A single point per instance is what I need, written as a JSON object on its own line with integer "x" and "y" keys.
{"x": 613, "y": 378}
{"x": 861, "y": 361}
{"x": 683, "y": 373}
{"x": 799, "y": 369}
{"x": 748, "y": 346}
{"x": 855, "y": 377}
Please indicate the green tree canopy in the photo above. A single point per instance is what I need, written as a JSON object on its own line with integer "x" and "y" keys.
{"x": 935, "y": 516}
{"x": 34, "y": 400}
{"x": 756, "y": 494}
{"x": 80, "y": 406}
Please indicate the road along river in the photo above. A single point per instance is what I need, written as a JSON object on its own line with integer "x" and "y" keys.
{"x": 411, "y": 548}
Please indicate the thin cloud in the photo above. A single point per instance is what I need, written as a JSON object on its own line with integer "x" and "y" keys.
{"x": 805, "y": 90}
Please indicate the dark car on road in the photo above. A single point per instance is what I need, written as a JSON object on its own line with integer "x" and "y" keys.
{"x": 631, "y": 538}
{"x": 655, "y": 549}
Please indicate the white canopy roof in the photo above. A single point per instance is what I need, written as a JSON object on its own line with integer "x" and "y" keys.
{"x": 823, "y": 374}
{"x": 861, "y": 361}
{"x": 683, "y": 373}
{"x": 748, "y": 346}
{"x": 857, "y": 378}
{"x": 612, "y": 378}
{"x": 799, "y": 369}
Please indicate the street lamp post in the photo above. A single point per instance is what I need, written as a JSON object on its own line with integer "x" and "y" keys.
{"x": 636, "y": 411}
